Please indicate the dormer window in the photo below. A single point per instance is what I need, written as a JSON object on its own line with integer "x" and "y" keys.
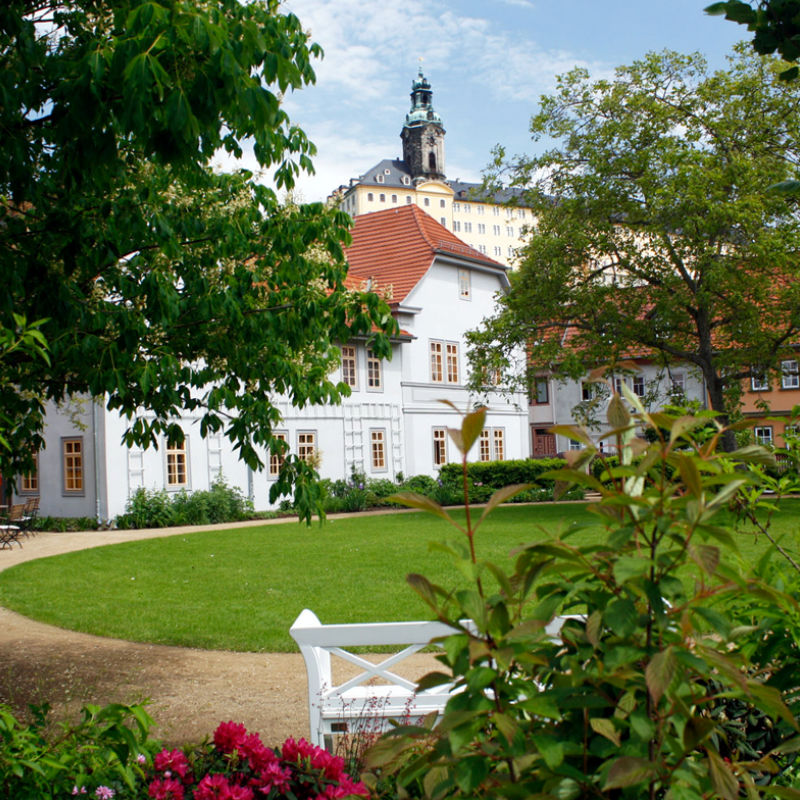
{"x": 387, "y": 172}
{"x": 406, "y": 180}
{"x": 379, "y": 178}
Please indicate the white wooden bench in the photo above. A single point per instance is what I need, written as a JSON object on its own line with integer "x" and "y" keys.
{"x": 339, "y": 708}
{"x": 353, "y": 705}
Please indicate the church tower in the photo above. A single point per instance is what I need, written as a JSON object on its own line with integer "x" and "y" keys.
{"x": 423, "y": 134}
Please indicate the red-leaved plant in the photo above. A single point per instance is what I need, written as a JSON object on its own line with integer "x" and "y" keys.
{"x": 238, "y": 766}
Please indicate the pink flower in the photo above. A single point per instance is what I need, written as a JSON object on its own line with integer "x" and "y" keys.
{"x": 104, "y": 793}
{"x": 296, "y": 751}
{"x": 213, "y": 787}
{"x": 141, "y": 759}
{"x": 240, "y": 793}
{"x": 228, "y": 736}
{"x": 331, "y": 765}
{"x": 273, "y": 776}
{"x": 258, "y": 756}
{"x": 166, "y": 789}
{"x": 171, "y": 762}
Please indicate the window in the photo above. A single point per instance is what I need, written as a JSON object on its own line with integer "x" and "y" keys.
{"x": 509, "y": 230}
{"x": 441, "y": 204}
{"x": 370, "y": 197}
{"x": 276, "y": 459}
{"x": 406, "y": 181}
{"x": 479, "y": 209}
{"x": 790, "y": 377}
{"x": 498, "y": 251}
{"x": 452, "y": 362}
{"x": 427, "y": 201}
{"x": 763, "y": 434}
{"x": 29, "y": 482}
{"x": 456, "y": 226}
{"x": 496, "y": 230}
{"x": 618, "y": 382}
{"x": 382, "y": 198}
{"x": 464, "y": 288}
{"x": 482, "y": 248}
{"x": 638, "y": 385}
{"x": 481, "y": 228}
{"x": 496, "y": 210}
{"x": 499, "y": 442}
{"x": 439, "y": 446}
{"x": 72, "y": 455}
{"x": 491, "y": 444}
{"x": 521, "y": 213}
{"x": 177, "y": 474}
{"x": 349, "y": 366}
{"x": 394, "y": 198}
{"x": 443, "y": 220}
{"x": 378, "y": 447}
{"x": 374, "y": 371}
{"x": 467, "y": 227}
{"x": 574, "y": 444}
{"x": 379, "y": 178}
{"x": 510, "y": 252}
{"x": 456, "y": 206}
{"x": 467, "y": 208}
{"x": 437, "y": 371}
{"x": 759, "y": 382}
{"x": 587, "y": 391}
{"x": 408, "y": 199}
{"x": 678, "y": 383}
{"x": 307, "y": 445}
{"x": 541, "y": 391}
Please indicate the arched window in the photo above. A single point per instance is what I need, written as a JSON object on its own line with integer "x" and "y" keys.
{"x": 432, "y": 162}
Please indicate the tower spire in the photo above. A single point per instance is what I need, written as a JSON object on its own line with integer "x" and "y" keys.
{"x": 423, "y": 133}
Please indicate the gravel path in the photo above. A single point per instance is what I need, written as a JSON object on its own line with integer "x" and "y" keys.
{"x": 190, "y": 691}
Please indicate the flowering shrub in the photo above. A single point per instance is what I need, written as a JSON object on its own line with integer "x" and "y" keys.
{"x": 238, "y": 766}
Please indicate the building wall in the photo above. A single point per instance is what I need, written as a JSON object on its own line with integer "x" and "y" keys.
{"x": 780, "y": 393}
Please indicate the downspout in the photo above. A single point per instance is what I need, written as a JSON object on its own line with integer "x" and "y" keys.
{"x": 250, "y": 489}
{"x": 96, "y": 454}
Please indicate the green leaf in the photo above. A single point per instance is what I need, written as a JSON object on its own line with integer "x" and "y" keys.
{"x": 690, "y": 475}
{"x": 722, "y": 779}
{"x": 628, "y": 567}
{"x": 618, "y": 415}
{"x": 620, "y": 615}
{"x": 629, "y": 771}
{"x": 500, "y": 496}
{"x": 605, "y": 727}
{"x": 423, "y": 503}
{"x": 551, "y": 750}
{"x": 659, "y": 673}
{"x": 471, "y": 427}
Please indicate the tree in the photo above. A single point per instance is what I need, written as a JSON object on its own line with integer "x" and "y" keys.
{"x": 653, "y": 230}
{"x": 157, "y": 283}
{"x": 775, "y": 23}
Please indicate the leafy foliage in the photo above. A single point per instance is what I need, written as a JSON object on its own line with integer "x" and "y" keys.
{"x": 654, "y": 231}
{"x": 601, "y": 670}
{"x": 157, "y": 283}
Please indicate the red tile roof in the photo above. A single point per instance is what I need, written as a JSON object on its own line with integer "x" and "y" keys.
{"x": 396, "y": 248}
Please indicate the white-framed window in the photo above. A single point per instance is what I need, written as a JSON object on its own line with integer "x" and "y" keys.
{"x": 790, "y": 377}
{"x": 510, "y": 252}
{"x": 618, "y": 384}
{"x": 509, "y": 230}
{"x": 437, "y": 362}
{"x": 439, "y": 446}
{"x": 499, "y": 444}
{"x": 408, "y": 199}
{"x": 443, "y": 220}
{"x": 382, "y": 198}
{"x": 72, "y": 465}
{"x": 29, "y": 481}
{"x": 349, "y": 366}
{"x": 276, "y": 459}
{"x": 492, "y": 444}
{"x": 467, "y": 227}
{"x": 521, "y": 213}
{"x": 464, "y": 284}
{"x": 370, "y": 197}
{"x": 374, "y": 372}
{"x": 678, "y": 383}
{"x": 588, "y": 390}
{"x": 763, "y": 434}
{"x": 442, "y": 204}
{"x": 481, "y": 228}
{"x": 498, "y": 251}
{"x": 496, "y": 230}
{"x": 177, "y": 470}
{"x": 379, "y": 178}
{"x": 574, "y": 444}
{"x": 638, "y": 385}
{"x": 496, "y": 210}
{"x": 406, "y": 181}
{"x": 307, "y": 445}
{"x": 377, "y": 437}
{"x": 394, "y": 198}
{"x": 482, "y": 248}
{"x": 467, "y": 208}
{"x": 479, "y": 209}
{"x": 452, "y": 362}
{"x": 456, "y": 206}
{"x": 426, "y": 201}
{"x": 759, "y": 382}
{"x": 456, "y": 226}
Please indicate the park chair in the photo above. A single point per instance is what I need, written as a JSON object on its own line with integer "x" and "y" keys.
{"x": 11, "y": 526}
{"x": 29, "y": 516}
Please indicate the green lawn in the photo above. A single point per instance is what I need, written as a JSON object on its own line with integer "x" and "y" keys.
{"x": 241, "y": 589}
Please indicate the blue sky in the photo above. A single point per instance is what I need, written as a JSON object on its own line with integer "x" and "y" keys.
{"x": 488, "y": 63}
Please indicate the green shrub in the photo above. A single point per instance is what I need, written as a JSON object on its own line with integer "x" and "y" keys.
{"x": 65, "y": 524}
{"x": 103, "y": 749}
{"x": 638, "y": 694}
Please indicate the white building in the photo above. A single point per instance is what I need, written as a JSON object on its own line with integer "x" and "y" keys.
{"x": 438, "y": 289}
